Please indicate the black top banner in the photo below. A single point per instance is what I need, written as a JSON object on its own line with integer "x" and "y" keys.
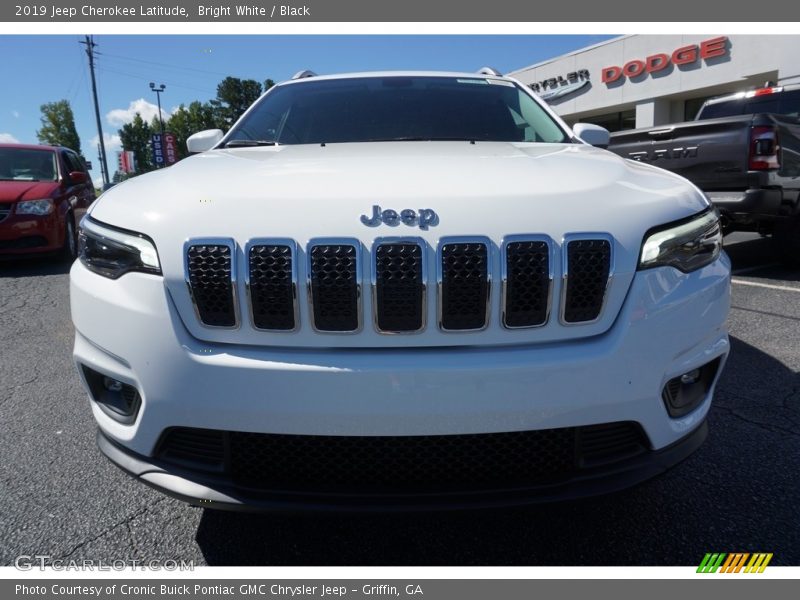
{"x": 465, "y": 11}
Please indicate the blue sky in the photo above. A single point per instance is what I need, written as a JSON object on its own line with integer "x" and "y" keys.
{"x": 49, "y": 68}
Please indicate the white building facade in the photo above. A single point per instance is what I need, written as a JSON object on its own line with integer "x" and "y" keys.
{"x": 650, "y": 80}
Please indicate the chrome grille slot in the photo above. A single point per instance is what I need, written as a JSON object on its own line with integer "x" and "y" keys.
{"x": 272, "y": 285}
{"x": 335, "y": 286}
{"x": 587, "y": 270}
{"x": 210, "y": 274}
{"x": 464, "y": 284}
{"x": 527, "y": 282}
{"x": 5, "y": 210}
{"x": 399, "y": 286}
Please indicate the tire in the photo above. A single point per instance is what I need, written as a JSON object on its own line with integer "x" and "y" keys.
{"x": 69, "y": 251}
{"x": 787, "y": 239}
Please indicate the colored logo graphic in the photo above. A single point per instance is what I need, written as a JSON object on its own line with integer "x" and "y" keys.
{"x": 735, "y": 562}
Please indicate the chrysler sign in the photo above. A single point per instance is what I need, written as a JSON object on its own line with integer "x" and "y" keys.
{"x": 557, "y": 87}
{"x": 684, "y": 55}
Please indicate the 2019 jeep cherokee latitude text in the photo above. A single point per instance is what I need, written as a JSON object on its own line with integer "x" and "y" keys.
{"x": 399, "y": 290}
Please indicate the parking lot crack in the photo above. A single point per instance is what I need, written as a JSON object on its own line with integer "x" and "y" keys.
{"x": 765, "y": 313}
{"x": 123, "y": 523}
{"x": 16, "y": 388}
{"x": 786, "y": 398}
{"x": 772, "y": 429}
{"x": 132, "y": 538}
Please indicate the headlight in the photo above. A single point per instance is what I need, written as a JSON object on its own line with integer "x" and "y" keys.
{"x": 35, "y": 207}
{"x": 112, "y": 252}
{"x": 686, "y": 245}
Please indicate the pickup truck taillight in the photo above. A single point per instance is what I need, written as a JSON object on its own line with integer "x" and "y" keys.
{"x": 764, "y": 148}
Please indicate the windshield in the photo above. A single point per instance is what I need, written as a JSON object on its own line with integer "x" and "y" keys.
{"x": 372, "y": 109}
{"x": 24, "y": 164}
{"x": 780, "y": 103}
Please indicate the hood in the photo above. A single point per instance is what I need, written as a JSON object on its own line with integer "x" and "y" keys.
{"x": 487, "y": 188}
{"x": 12, "y": 191}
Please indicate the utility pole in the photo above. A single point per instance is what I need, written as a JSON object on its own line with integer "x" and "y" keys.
{"x": 103, "y": 173}
{"x": 89, "y": 43}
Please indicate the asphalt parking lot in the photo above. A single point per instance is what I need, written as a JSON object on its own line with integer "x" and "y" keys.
{"x": 59, "y": 497}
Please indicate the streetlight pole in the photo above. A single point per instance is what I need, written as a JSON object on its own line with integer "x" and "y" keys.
{"x": 158, "y": 91}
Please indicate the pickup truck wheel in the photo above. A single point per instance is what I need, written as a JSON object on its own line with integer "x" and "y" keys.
{"x": 787, "y": 237}
{"x": 69, "y": 252}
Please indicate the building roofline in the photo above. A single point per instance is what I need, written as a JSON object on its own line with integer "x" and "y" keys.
{"x": 515, "y": 72}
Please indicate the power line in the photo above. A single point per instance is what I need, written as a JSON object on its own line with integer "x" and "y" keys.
{"x": 165, "y": 65}
{"x": 143, "y": 78}
{"x": 75, "y": 82}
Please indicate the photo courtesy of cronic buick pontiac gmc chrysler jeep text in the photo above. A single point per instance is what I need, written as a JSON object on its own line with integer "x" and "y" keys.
{"x": 400, "y": 291}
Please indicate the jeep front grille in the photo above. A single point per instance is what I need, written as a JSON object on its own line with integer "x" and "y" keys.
{"x": 586, "y": 273}
{"x": 333, "y": 270}
{"x": 527, "y": 283}
{"x": 399, "y": 287}
{"x": 464, "y": 284}
{"x": 272, "y": 285}
{"x": 334, "y": 286}
{"x": 211, "y": 279}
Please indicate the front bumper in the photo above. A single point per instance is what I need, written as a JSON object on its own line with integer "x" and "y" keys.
{"x": 26, "y": 234}
{"x": 669, "y": 324}
{"x": 209, "y": 491}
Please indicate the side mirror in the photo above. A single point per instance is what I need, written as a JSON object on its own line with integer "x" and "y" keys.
{"x": 78, "y": 177}
{"x": 594, "y": 135}
{"x": 203, "y": 140}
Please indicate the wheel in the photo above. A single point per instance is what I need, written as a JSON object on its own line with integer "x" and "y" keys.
{"x": 787, "y": 239}
{"x": 69, "y": 252}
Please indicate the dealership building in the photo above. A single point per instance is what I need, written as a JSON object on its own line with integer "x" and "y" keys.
{"x": 650, "y": 80}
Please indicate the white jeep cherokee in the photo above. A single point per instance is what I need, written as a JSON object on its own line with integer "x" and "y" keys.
{"x": 396, "y": 291}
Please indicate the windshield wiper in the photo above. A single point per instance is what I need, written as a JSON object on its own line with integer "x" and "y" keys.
{"x": 249, "y": 143}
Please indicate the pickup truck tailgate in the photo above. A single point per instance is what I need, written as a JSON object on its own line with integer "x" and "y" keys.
{"x": 713, "y": 154}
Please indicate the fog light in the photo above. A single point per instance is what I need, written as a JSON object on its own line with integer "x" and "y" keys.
{"x": 112, "y": 385}
{"x": 684, "y": 393}
{"x": 117, "y": 399}
{"x": 690, "y": 377}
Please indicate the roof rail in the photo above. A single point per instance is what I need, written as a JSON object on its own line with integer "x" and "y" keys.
{"x": 304, "y": 74}
{"x": 489, "y": 71}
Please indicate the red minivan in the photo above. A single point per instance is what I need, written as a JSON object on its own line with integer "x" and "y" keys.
{"x": 44, "y": 192}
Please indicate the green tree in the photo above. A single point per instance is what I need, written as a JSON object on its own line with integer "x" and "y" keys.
{"x": 135, "y": 136}
{"x": 234, "y": 96}
{"x": 120, "y": 177}
{"x": 58, "y": 126}
{"x": 155, "y": 125}
{"x": 186, "y": 120}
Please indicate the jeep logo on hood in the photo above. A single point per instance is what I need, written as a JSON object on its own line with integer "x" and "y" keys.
{"x": 422, "y": 218}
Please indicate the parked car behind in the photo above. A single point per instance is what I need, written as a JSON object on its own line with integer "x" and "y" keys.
{"x": 44, "y": 192}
